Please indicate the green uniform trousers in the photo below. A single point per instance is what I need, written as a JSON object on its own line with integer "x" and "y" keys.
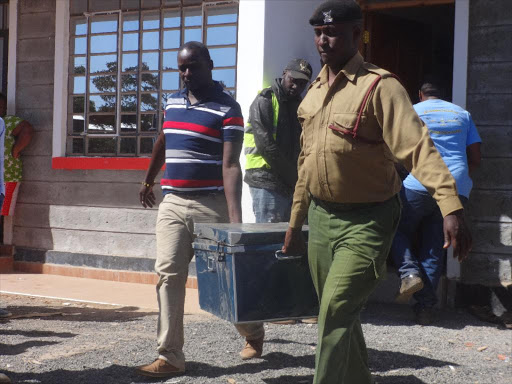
{"x": 348, "y": 247}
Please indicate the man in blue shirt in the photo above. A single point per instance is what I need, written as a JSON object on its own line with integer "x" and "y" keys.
{"x": 417, "y": 249}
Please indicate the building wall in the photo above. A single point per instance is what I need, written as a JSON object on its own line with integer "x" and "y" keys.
{"x": 97, "y": 213}
{"x": 94, "y": 212}
{"x": 489, "y": 99}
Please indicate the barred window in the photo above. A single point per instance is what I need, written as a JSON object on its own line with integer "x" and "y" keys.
{"x": 123, "y": 67}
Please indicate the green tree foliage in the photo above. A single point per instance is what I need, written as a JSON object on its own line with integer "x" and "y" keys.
{"x": 107, "y": 86}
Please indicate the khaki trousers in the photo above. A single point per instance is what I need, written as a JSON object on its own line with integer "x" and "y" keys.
{"x": 174, "y": 237}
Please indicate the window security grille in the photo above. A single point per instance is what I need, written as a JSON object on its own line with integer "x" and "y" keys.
{"x": 123, "y": 67}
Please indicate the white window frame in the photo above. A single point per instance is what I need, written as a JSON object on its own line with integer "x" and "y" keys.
{"x": 460, "y": 53}
{"x": 60, "y": 91}
{"x": 60, "y": 94}
{"x": 459, "y": 92}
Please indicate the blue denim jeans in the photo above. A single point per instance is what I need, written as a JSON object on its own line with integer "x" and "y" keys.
{"x": 270, "y": 206}
{"x": 418, "y": 245}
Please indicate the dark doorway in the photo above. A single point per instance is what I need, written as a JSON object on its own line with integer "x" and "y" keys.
{"x": 414, "y": 43}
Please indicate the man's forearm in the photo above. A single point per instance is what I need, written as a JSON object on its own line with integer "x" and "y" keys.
{"x": 285, "y": 169}
{"x": 472, "y": 167}
{"x": 301, "y": 198}
{"x": 232, "y": 175}
{"x": 23, "y": 134}
{"x": 474, "y": 156}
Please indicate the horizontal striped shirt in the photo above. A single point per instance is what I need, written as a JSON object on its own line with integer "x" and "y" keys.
{"x": 194, "y": 140}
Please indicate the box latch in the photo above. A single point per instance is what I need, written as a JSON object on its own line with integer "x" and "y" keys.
{"x": 218, "y": 256}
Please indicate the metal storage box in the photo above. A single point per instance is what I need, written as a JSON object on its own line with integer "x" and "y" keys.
{"x": 241, "y": 278}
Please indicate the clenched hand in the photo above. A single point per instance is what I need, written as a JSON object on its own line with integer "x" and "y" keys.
{"x": 457, "y": 234}
{"x": 294, "y": 243}
{"x": 146, "y": 196}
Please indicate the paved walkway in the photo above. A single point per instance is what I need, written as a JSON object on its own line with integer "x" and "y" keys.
{"x": 142, "y": 296}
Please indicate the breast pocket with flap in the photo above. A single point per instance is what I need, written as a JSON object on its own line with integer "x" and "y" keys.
{"x": 342, "y": 129}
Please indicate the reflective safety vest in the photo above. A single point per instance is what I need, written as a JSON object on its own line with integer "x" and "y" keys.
{"x": 252, "y": 157}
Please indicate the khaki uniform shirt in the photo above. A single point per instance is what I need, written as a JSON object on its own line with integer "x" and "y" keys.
{"x": 338, "y": 168}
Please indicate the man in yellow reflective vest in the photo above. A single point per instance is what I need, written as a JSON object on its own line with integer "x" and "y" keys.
{"x": 272, "y": 143}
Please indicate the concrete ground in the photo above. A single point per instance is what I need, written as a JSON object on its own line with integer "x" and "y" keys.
{"x": 142, "y": 296}
{"x": 72, "y": 330}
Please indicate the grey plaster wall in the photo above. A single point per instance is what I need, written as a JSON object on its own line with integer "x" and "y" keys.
{"x": 93, "y": 212}
{"x": 489, "y": 99}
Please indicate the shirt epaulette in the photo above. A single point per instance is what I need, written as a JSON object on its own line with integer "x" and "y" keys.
{"x": 377, "y": 70}
{"x": 313, "y": 83}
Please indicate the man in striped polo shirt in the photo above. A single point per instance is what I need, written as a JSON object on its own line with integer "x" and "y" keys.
{"x": 200, "y": 144}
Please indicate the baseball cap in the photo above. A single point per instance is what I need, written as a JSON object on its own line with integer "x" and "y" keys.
{"x": 299, "y": 69}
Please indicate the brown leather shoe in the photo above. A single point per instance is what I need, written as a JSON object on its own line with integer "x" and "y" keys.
{"x": 159, "y": 368}
{"x": 409, "y": 285}
{"x": 252, "y": 349}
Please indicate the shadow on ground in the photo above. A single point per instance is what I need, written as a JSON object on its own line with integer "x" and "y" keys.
{"x": 285, "y": 341}
{"x": 11, "y": 332}
{"x": 17, "y": 349}
{"x": 399, "y": 315}
{"x": 380, "y": 361}
{"x": 307, "y": 379}
{"x": 74, "y": 313}
{"x": 409, "y": 379}
{"x": 378, "y": 380}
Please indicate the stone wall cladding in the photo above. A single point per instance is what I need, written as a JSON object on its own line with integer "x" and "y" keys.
{"x": 489, "y": 97}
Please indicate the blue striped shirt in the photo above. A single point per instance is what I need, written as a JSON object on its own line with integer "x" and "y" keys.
{"x": 194, "y": 140}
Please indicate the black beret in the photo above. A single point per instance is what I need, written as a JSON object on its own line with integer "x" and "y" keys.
{"x": 336, "y": 11}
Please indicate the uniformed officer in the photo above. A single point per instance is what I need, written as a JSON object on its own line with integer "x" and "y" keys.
{"x": 356, "y": 120}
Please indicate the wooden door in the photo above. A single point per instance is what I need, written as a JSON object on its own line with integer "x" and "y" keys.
{"x": 399, "y": 46}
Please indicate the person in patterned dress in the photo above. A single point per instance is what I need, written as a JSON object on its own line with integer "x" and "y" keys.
{"x": 18, "y": 134}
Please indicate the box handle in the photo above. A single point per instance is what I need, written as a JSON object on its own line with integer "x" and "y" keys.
{"x": 282, "y": 256}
